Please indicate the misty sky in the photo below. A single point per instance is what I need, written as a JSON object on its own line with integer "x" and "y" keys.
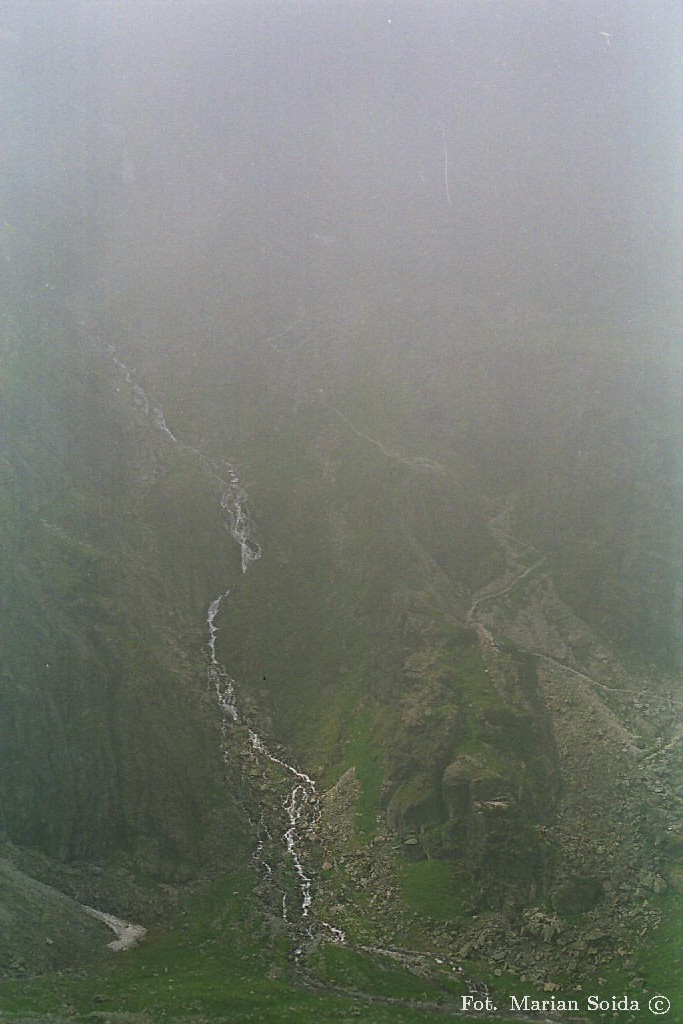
{"x": 513, "y": 154}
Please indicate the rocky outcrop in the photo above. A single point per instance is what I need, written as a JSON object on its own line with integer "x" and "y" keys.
{"x": 467, "y": 783}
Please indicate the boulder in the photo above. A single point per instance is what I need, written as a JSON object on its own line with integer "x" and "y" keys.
{"x": 466, "y": 779}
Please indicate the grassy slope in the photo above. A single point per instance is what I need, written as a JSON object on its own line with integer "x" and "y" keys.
{"x": 219, "y": 963}
{"x": 105, "y": 602}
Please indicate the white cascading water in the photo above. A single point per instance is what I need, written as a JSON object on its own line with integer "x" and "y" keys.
{"x": 222, "y": 683}
{"x": 302, "y": 804}
{"x": 139, "y": 396}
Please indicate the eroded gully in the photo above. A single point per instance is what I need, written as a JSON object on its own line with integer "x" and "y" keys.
{"x": 302, "y": 805}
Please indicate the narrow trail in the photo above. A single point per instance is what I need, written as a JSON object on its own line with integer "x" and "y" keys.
{"x": 429, "y": 464}
{"x": 414, "y": 463}
{"x": 499, "y": 593}
{"x": 676, "y": 741}
{"x": 643, "y": 694}
{"x": 510, "y": 545}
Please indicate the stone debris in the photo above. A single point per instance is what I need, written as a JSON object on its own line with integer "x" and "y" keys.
{"x": 127, "y": 934}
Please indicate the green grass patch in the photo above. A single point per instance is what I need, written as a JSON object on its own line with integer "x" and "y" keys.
{"x": 431, "y": 888}
{"x": 658, "y": 962}
{"x": 363, "y": 754}
{"x": 661, "y": 958}
{"x": 218, "y": 963}
{"x": 206, "y": 963}
{"x": 378, "y": 975}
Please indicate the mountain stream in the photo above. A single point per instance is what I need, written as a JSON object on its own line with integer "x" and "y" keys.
{"x": 302, "y": 804}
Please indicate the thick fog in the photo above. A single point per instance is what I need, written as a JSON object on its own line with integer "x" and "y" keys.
{"x": 390, "y": 294}
{"x": 513, "y": 155}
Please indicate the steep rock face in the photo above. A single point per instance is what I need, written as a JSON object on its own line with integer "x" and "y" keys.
{"x": 484, "y": 789}
{"x": 106, "y": 741}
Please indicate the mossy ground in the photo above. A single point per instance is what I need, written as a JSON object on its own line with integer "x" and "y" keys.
{"x": 219, "y": 963}
{"x": 382, "y": 976}
{"x": 432, "y": 889}
{"x": 658, "y": 962}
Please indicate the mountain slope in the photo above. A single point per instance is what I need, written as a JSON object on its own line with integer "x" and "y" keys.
{"x": 403, "y": 641}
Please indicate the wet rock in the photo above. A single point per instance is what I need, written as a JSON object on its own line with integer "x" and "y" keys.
{"x": 467, "y": 779}
{"x": 415, "y": 803}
